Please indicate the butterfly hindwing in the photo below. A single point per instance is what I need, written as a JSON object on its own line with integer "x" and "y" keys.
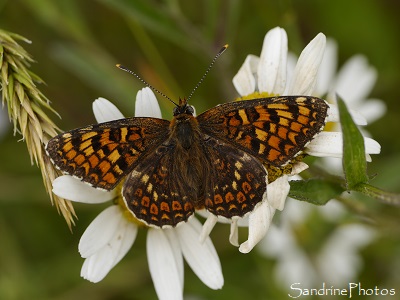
{"x": 237, "y": 181}
{"x": 273, "y": 130}
{"x": 155, "y": 193}
{"x": 103, "y": 154}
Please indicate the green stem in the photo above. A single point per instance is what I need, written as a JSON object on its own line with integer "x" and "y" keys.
{"x": 374, "y": 192}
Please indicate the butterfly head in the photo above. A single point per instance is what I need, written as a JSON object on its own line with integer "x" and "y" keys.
{"x": 183, "y": 108}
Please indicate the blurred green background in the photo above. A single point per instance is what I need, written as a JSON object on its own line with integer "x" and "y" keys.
{"x": 76, "y": 45}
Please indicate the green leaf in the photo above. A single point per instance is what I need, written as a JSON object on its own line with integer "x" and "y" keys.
{"x": 315, "y": 191}
{"x": 354, "y": 163}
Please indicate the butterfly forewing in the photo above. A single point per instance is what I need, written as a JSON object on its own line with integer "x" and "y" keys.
{"x": 103, "y": 154}
{"x": 273, "y": 130}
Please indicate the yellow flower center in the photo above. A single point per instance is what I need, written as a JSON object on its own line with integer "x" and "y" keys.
{"x": 256, "y": 95}
{"x": 126, "y": 212}
{"x": 275, "y": 172}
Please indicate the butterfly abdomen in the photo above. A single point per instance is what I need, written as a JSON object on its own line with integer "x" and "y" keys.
{"x": 189, "y": 163}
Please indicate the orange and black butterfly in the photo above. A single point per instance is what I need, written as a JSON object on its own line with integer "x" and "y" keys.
{"x": 212, "y": 161}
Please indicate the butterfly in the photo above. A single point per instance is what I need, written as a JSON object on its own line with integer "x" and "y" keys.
{"x": 213, "y": 161}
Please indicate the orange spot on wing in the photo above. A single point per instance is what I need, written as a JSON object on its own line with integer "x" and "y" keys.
{"x": 104, "y": 166}
{"x": 274, "y": 142}
{"x": 218, "y": 199}
{"x": 79, "y": 159}
{"x": 240, "y": 197}
{"x": 154, "y": 209}
{"x": 164, "y": 206}
{"x": 282, "y": 132}
{"x": 303, "y": 120}
{"x": 71, "y": 154}
{"x": 273, "y": 155}
{"x": 145, "y": 201}
{"x": 229, "y": 197}
{"x": 109, "y": 178}
{"x": 93, "y": 160}
{"x": 296, "y": 126}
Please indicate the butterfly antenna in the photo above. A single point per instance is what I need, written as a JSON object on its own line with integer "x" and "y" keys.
{"x": 144, "y": 82}
{"x": 208, "y": 70}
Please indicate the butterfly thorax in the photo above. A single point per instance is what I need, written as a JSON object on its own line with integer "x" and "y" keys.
{"x": 184, "y": 127}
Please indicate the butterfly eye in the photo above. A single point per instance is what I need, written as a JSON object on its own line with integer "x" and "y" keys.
{"x": 190, "y": 110}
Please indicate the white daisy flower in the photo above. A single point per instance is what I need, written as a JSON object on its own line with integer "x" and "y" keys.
{"x": 338, "y": 261}
{"x": 113, "y": 232}
{"x": 267, "y": 75}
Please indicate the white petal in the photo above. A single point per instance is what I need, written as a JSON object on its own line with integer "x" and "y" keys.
{"x": 277, "y": 192}
{"x": 259, "y": 222}
{"x": 298, "y": 168}
{"x": 371, "y": 146}
{"x": 127, "y": 235}
{"x": 291, "y": 66}
{"x": 333, "y": 115}
{"x": 234, "y": 234}
{"x": 176, "y": 250}
{"x": 85, "y": 270}
{"x": 97, "y": 266}
{"x": 242, "y": 222}
{"x": 73, "y": 189}
{"x": 163, "y": 265}
{"x": 355, "y": 80}
{"x": 326, "y": 144}
{"x": 207, "y": 227}
{"x": 100, "y": 231}
{"x": 202, "y": 258}
{"x": 331, "y": 144}
{"x": 327, "y": 69}
{"x": 372, "y": 109}
{"x": 272, "y": 66}
{"x": 105, "y": 111}
{"x": 146, "y": 104}
{"x": 244, "y": 81}
{"x": 305, "y": 74}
